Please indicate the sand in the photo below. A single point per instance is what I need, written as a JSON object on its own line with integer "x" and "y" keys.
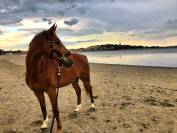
{"x": 129, "y": 99}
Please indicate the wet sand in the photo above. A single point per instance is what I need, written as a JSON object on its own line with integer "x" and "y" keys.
{"x": 129, "y": 99}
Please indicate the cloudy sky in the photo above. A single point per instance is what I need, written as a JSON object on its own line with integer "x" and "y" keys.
{"x": 82, "y": 23}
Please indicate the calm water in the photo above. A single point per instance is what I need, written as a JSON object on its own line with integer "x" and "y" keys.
{"x": 150, "y": 57}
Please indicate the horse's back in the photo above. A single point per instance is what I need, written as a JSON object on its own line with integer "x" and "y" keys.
{"x": 79, "y": 57}
{"x": 82, "y": 64}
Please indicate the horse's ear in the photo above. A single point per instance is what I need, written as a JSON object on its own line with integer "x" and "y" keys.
{"x": 52, "y": 30}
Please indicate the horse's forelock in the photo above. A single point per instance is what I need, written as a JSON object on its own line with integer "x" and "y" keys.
{"x": 39, "y": 37}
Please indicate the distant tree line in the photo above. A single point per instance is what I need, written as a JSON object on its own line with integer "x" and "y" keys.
{"x": 117, "y": 47}
{"x": 2, "y": 52}
{"x": 97, "y": 48}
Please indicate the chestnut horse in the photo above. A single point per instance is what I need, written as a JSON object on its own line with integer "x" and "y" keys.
{"x": 45, "y": 52}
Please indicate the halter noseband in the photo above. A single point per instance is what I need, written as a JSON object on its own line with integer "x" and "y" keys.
{"x": 61, "y": 58}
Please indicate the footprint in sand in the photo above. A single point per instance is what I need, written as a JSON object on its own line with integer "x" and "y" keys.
{"x": 161, "y": 91}
{"x": 11, "y": 120}
{"x": 166, "y": 104}
{"x": 73, "y": 115}
{"x": 127, "y": 98}
{"x": 107, "y": 121}
{"x": 125, "y": 104}
{"x": 9, "y": 131}
{"x": 15, "y": 130}
{"x": 92, "y": 117}
{"x": 151, "y": 101}
{"x": 175, "y": 100}
{"x": 36, "y": 123}
{"x": 154, "y": 102}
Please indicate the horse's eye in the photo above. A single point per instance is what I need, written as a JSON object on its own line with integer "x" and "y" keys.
{"x": 49, "y": 43}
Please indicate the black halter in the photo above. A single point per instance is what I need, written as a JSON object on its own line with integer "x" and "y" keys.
{"x": 60, "y": 57}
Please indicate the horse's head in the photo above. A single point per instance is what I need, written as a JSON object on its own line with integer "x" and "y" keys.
{"x": 51, "y": 46}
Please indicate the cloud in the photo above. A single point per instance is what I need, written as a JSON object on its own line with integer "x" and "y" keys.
{"x": 14, "y": 11}
{"x": 143, "y": 19}
{"x": 78, "y": 42}
{"x": 48, "y": 20}
{"x": 67, "y": 32}
{"x": 71, "y": 22}
{"x": 171, "y": 22}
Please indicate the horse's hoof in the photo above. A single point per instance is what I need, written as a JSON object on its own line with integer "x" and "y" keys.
{"x": 76, "y": 112}
{"x": 77, "y": 108}
{"x": 44, "y": 130}
{"x": 59, "y": 131}
{"x": 45, "y": 124}
{"x": 44, "y": 127}
{"x": 92, "y": 109}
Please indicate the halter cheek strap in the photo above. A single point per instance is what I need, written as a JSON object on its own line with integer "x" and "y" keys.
{"x": 62, "y": 58}
{"x": 51, "y": 53}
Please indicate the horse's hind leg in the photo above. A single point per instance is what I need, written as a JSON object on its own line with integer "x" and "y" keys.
{"x": 88, "y": 89}
{"x": 41, "y": 99}
{"x": 52, "y": 96}
{"x": 78, "y": 93}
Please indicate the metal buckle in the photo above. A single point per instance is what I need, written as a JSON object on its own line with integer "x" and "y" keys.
{"x": 58, "y": 70}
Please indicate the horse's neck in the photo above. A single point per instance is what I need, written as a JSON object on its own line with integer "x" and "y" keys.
{"x": 33, "y": 59}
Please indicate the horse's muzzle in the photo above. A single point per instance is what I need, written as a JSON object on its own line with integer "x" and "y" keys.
{"x": 68, "y": 63}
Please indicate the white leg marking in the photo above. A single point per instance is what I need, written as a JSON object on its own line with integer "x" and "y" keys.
{"x": 45, "y": 123}
{"x": 77, "y": 108}
{"x": 92, "y": 105}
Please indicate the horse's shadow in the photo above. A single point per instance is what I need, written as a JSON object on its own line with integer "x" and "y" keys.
{"x": 44, "y": 130}
{"x": 73, "y": 115}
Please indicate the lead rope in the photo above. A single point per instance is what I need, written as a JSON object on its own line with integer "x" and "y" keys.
{"x": 51, "y": 129}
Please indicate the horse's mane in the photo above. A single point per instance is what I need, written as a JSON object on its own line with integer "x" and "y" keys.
{"x": 35, "y": 45}
{"x": 36, "y": 41}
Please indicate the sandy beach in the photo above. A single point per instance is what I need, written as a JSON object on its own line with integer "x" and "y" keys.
{"x": 129, "y": 99}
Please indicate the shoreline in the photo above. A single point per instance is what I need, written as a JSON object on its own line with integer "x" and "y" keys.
{"x": 125, "y": 65}
{"x": 133, "y": 66}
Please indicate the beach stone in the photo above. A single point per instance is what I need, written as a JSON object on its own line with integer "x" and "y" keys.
{"x": 151, "y": 101}
{"x": 126, "y": 125}
{"x": 145, "y": 125}
{"x": 166, "y": 104}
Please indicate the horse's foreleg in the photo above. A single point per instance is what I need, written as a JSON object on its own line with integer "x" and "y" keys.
{"x": 41, "y": 99}
{"x": 78, "y": 93}
{"x": 52, "y": 96}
